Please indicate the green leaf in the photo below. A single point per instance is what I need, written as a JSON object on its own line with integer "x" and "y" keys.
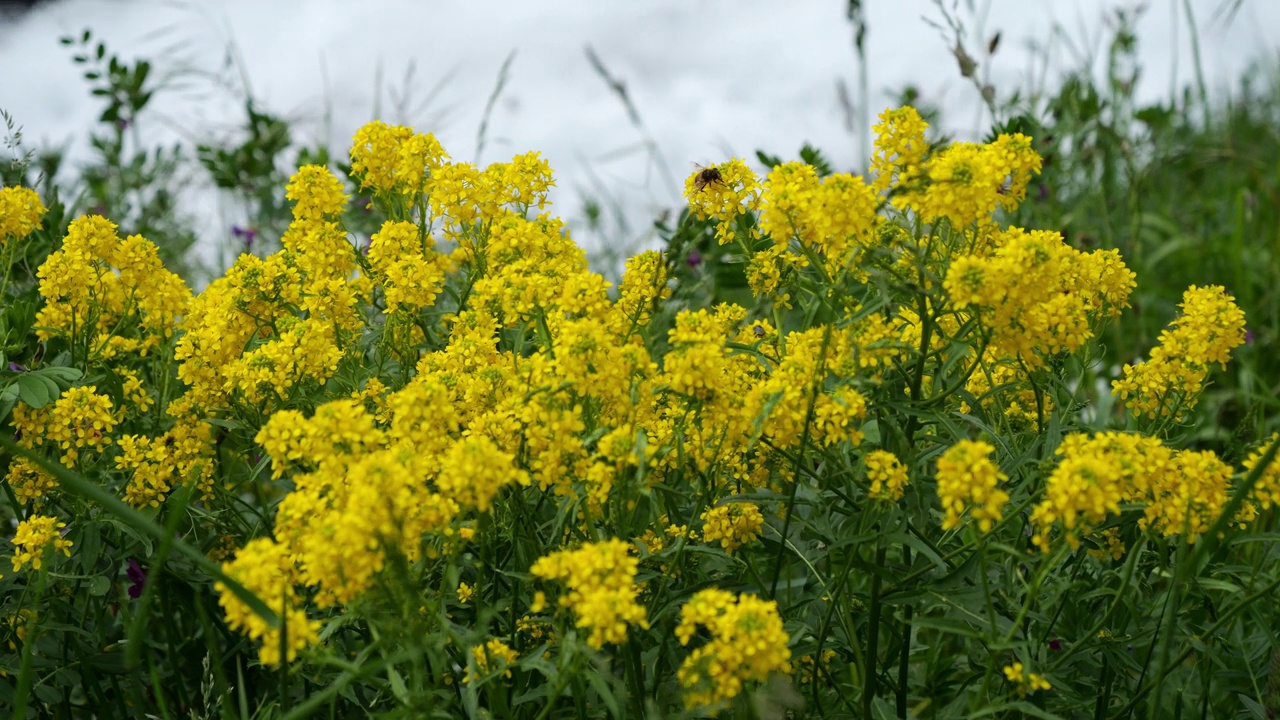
{"x": 99, "y": 586}
{"x": 813, "y": 156}
{"x": 397, "y": 685}
{"x": 597, "y": 682}
{"x": 33, "y": 392}
{"x": 64, "y": 376}
{"x": 8, "y": 398}
{"x": 769, "y": 161}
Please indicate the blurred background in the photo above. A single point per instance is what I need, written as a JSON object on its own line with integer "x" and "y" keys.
{"x": 622, "y": 98}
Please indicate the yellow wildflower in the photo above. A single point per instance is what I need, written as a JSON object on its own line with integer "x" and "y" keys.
{"x": 968, "y": 479}
{"x": 734, "y": 524}
{"x": 601, "y": 582}
{"x": 748, "y": 643}
{"x": 35, "y": 535}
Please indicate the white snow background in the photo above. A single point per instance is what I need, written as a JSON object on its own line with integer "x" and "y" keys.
{"x": 711, "y": 79}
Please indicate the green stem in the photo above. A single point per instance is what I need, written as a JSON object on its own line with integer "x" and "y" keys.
{"x": 869, "y": 689}
{"x": 1212, "y": 630}
{"x": 904, "y": 660}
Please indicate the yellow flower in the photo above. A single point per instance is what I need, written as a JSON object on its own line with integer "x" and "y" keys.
{"x": 887, "y": 474}
{"x": 80, "y": 419}
{"x": 733, "y": 189}
{"x": 465, "y": 593}
{"x": 20, "y": 213}
{"x": 968, "y": 479}
{"x": 734, "y": 524}
{"x": 1170, "y": 381}
{"x": 473, "y": 471}
{"x": 489, "y": 658}
{"x": 33, "y": 536}
{"x": 263, "y": 567}
{"x": 1024, "y": 681}
{"x": 601, "y": 582}
{"x": 375, "y": 155}
{"x": 29, "y": 482}
{"x": 900, "y": 148}
{"x": 1039, "y": 296}
{"x": 748, "y": 643}
{"x": 1085, "y": 488}
{"x": 115, "y": 294}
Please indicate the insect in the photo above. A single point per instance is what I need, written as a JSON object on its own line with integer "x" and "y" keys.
{"x": 706, "y": 176}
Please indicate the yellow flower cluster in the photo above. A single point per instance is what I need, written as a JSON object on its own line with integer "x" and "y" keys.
{"x": 968, "y": 479}
{"x": 33, "y": 537}
{"x": 734, "y": 524}
{"x": 80, "y": 420}
{"x": 410, "y": 272}
{"x": 474, "y": 469}
{"x": 1170, "y": 381}
{"x": 1266, "y": 492}
{"x": 1182, "y": 492}
{"x": 1025, "y": 682}
{"x": 359, "y": 493}
{"x": 263, "y": 567}
{"x": 601, "y": 582}
{"x": 490, "y": 658}
{"x": 1038, "y": 295}
{"x": 887, "y": 474}
{"x": 900, "y": 148}
{"x": 270, "y": 324}
{"x": 963, "y": 183}
{"x": 159, "y": 464}
{"x": 724, "y": 193}
{"x": 833, "y": 216}
{"x": 1093, "y": 478}
{"x": 108, "y": 296}
{"x": 20, "y": 213}
{"x": 29, "y": 482}
{"x": 748, "y": 643}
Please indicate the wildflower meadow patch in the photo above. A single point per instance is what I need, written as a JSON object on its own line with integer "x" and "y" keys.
{"x": 453, "y": 471}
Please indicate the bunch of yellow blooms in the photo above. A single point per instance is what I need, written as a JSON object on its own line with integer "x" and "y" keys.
{"x": 747, "y": 644}
{"x": 601, "y": 582}
{"x": 416, "y": 396}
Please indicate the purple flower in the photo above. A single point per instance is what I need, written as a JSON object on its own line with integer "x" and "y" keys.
{"x": 138, "y": 577}
{"x": 694, "y": 259}
{"x": 1055, "y": 645}
{"x": 1248, "y": 337}
{"x": 15, "y": 367}
{"x": 246, "y": 234}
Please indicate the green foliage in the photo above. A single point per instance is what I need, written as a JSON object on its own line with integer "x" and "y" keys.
{"x": 904, "y": 620}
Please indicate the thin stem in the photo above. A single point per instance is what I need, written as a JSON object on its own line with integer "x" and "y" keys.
{"x": 869, "y": 689}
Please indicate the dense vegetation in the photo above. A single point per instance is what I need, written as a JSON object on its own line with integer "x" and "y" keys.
{"x": 986, "y": 430}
